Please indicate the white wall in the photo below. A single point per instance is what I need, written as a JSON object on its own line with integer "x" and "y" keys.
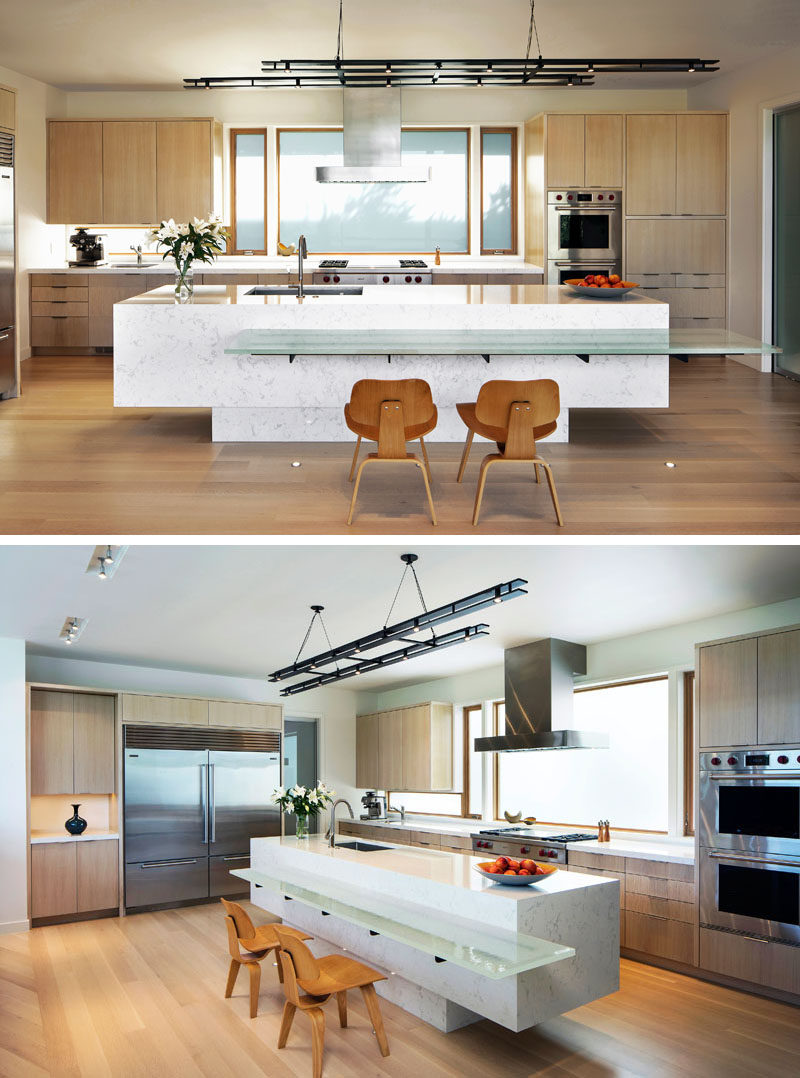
{"x": 334, "y": 707}
{"x": 746, "y": 94}
{"x": 13, "y": 789}
{"x": 38, "y": 244}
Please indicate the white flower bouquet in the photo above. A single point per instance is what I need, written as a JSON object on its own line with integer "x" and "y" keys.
{"x": 185, "y": 243}
{"x": 303, "y": 802}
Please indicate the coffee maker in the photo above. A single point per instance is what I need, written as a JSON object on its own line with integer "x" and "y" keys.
{"x": 375, "y": 806}
{"x": 89, "y": 248}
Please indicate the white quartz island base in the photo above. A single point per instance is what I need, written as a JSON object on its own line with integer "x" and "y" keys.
{"x": 435, "y": 887}
{"x": 173, "y": 356}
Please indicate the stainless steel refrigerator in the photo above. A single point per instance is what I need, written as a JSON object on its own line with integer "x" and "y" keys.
{"x": 8, "y": 372}
{"x": 193, "y": 799}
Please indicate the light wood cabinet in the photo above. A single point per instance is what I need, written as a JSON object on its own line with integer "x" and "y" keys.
{"x": 564, "y": 150}
{"x": 8, "y": 108}
{"x": 779, "y": 689}
{"x": 745, "y": 958}
{"x": 164, "y": 710}
{"x": 75, "y": 172}
{"x": 184, "y": 169}
{"x": 406, "y": 749}
{"x": 583, "y": 151}
{"x": 54, "y": 879}
{"x": 728, "y": 694}
{"x": 391, "y": 750}
{"x": 367, "y": 752}
{"x": 245, "y": 716}
{"x": 603, "y": 151}
{"x": 71, "y": 743}
{"x": 701, "y": 175}
{"x": 129, "y": 172}
{"x": 93, "y": 739}
{"x": 59, "y": 331}
{"x": 690, "y": 302}
{"x": 104, "y": 292}
{"x": 97, "y": 875}
{"x": 650, "y": 164}
{"x": 678, "y": 246}
{"x": 660, "y": 937}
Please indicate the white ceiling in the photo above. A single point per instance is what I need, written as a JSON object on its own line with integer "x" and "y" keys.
{"x": 89, "y": 44}
{"x": 244, "y": 610}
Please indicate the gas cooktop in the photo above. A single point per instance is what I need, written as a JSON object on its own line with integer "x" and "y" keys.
{"x": 390, "y": 264}
{"x": 531, "y": 832}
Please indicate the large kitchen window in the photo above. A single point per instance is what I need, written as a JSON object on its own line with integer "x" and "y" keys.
{"x": 249, "y": 191}
{"x": 627, "y": 783}
{"x": 389, "y": 218}
{"x": 498, "y": 190}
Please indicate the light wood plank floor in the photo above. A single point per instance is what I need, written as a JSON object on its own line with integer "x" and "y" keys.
{"x": 71, "y": 464}
{"x": 143, "y": 996}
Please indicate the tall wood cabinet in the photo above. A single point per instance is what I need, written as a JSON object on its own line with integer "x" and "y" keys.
{"x": 676, "y": 164}
{"x": 408, "y": 748}
{"x": 583, "y": 151}
{"x": 71, "y": 743}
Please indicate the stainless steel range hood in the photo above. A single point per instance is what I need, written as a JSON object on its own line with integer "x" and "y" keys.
{"x": 372, "y": 141}
{"x": 539, "y": 687}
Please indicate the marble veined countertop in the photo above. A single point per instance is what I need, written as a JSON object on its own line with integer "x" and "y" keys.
{"x": 256, "y": 264}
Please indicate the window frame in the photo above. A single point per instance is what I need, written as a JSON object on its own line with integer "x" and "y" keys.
{"x": 232, "y": 247}
{"x": 513, "y": 132}
{"x": 406, "y": 127}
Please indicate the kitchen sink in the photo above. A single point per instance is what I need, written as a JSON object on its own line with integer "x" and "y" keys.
{"x": 292, "y": 290}
{"x": 360, "y": 846}
{"x": 133, "y": 265}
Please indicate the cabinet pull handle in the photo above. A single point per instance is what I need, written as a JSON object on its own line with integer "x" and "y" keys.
{"x": 239, "y": 857}
{"x": 59, "y": 317}
{"x": 168, "y": 864}
{"x": 4, "y": 337}
{"x": 753, "y": 860}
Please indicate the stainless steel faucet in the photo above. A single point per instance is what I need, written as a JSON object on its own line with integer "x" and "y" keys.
{"x": 402, "y": 814}
{"x": 138, "y": 252}
{"x": 330, "y": 834}
{"x": 302, "y": 252}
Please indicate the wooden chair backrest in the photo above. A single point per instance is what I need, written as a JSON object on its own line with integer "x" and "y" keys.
{"x": 518, "y": 407}
{"x": 244, "y": 926}
{"x": 304, "y": 964}
{"x": 391, "y": 405}
{"x": 233, "y": 938}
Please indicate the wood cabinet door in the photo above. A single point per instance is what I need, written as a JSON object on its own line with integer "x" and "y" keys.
{"x": 441, "y": 747}
{"x": 650, "y": 167}
{"x": 564, "y": 151}
{"x": 51, "y": 742}
{"x": 129, "y": 172}
{"x": 367, "y": 752}
{"x": 779, "y": 688}
{"x": 702, "y": 164}
{"x": 8, "y": 108}
{"x": 241, "y": 715}
{"x": 183, "y": 170}
{"x": 104, "y": 292}
{"x": 53, "y": 879}
{"x": 677, "y": 246}
{"x": 97, "y": 875}
{"x": 75, "y": 172}
{"x": 603, "y": 151}
{"x": 95, "y": 760}
{"x": 728, "y": 694}
{"x": 164, "y": 710}
{"x": 390, "y": 750}
{"x": 417, "y": 747}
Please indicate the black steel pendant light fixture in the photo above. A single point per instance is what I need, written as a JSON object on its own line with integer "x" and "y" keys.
{"x": 528, "y": 71}
{"x": 325, "y": 667}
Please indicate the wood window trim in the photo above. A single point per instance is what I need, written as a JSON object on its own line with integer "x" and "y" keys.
{"x": 512, "y": 131}
{"x": 406, "y": 127}
{"x": 232, "y": 246}
{"x": 688, "y": 753}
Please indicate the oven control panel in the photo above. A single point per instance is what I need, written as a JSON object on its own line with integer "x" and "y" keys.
{"x": 609, "y": 199}
{"x": 752, "y": 760}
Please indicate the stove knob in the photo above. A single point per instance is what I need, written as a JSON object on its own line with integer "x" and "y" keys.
{"x": 552, "y": 853}
{"x": 715, "y": 760}
{"x": 569, "y": 198}
{"x": 783, "y": 759}
{"x": 336, "y": 279}
{"x": 543, "y": 853}
{"x": 611, "y": 198}
{"x": 408, "y": 280}
{"x": 559, "y": 197}
{"x": 418, "y": 280}
{"x": 385, "y": 280}
{"x": 525, "y": 849}
{"x": 732, "y": 761}
{"x": 798, "y": 759}
{"x": 600, "y": 198}
{"x": 326, "y": 278}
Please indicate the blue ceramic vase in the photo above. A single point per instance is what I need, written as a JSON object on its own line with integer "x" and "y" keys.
{"x": 76, "y": 824}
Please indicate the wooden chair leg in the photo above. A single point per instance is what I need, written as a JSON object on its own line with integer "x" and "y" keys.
{"x": 427, "y": 490}
{"x": 355, "y": 489}
{"x": 465, "y": 455}
{"x": 233, "y": 973}
{"x": 341, "y": 999}
{"x": 286, "y": 1023}
{"x": 279, "y": 966}
{"x": 254, "y": 969}
{"x": 479, "y": 492}
{"x": 317, "y": 1016}
{"x": 355, "y": 459}
{"x": 551, "y": 483}
{"x": 374, "y": 1011}
{"x": 536, "y": 472}
{"x": 425, "y": 458}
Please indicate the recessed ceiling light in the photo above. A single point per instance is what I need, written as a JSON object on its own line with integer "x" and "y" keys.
{"x": 297, "y": 464}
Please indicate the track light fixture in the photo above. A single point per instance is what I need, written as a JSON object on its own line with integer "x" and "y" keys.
{"x": 406, "y": 631}
{"x": 105, "y": 560}
{"x": 72, "y": 629}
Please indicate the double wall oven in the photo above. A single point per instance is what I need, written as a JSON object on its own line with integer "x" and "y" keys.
{"x": 584, "y": 234}
{"x": 750, "y": 842}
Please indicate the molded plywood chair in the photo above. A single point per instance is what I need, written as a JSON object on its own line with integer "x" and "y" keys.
{"x": 319, "y": 979}
{"x": 515, "y": 415}
{"x": 391, "y": 413}
{"x": 257, "y": 944}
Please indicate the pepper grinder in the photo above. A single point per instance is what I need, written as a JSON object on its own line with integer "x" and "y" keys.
{"x": 600, "y": 831}
{"x": 606, "y": 832}
{"x": 438, "y": 257}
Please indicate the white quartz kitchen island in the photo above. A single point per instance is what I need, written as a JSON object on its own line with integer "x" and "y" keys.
{"x": 179, "y": 355}
{"x": 454, "y": 946}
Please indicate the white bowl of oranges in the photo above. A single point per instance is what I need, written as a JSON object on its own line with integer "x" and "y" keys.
{"x": 513, "y": 873}
{"x": 600, "y": 286}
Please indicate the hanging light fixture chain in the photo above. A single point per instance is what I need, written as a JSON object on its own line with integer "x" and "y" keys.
{"x": 399, "y": 586}
{"x": 330, "y": 645}
{"x": 532, "y": 29}
{"x": 308, "y": 633}
{"x": 340, "y": 35}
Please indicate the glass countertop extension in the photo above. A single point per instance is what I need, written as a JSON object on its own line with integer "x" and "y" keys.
{"x": 494, "y": 956}
{"x": 678, "y": 342}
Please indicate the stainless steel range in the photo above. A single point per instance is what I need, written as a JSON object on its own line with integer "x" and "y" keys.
{"x": 393, "y": 271}
{"x": 526, "y": 842}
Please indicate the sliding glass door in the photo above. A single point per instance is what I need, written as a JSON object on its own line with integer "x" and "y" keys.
{"x": 786, "y": 242}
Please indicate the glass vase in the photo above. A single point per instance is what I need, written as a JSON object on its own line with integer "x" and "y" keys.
{"x": 301, "y": 825}
{"x": 184, "y": 284}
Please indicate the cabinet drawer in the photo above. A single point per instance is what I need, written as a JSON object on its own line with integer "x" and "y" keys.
{"x": 677, "y": 890}
{"x": 699, "y": 280}
{"x": 691, "y": 302}
{"x": 606, "y": 862}
{"x": 59, "y": 307}
{"x": 608, "y": 875}
{"x": 663, "y": 869}
{"x": 459, "y": 842}
{"x": 60, "y": 330}
{"x": 153, "y": 882}
{"x": 59, "y": 280}
{"x": 697, "y": 323}
{"x": 660, "y": 937}
{"x": 776, "y": 965}
{"x": 453, "y": 849}
{"x": 661, "y": 907}
{"x": 425, "y": 838}
{"x": 68, "y": 292}
{"x": 402, "y": 838}
{"x": 651, "y": 280}
{"x": 345, "y": 828}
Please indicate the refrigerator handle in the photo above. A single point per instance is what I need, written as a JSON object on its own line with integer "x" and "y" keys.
{"x": 204, "y": 800}
{"x": 212, "y": 808}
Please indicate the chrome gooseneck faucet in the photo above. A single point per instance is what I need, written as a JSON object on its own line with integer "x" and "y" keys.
{"x": 330, "y": 835}
{"x": 138, "y": 252}
{"x": 302, "y": 252}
